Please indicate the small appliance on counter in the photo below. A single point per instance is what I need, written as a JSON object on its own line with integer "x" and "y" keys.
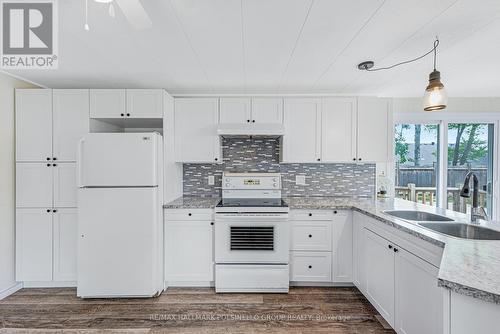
{"x": 120, "y": 225}
{"x": 251, "y": 235}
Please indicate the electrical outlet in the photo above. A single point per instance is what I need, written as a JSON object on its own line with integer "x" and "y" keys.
{"x": 300, "y": 180}
{"x": 211, "y": 180}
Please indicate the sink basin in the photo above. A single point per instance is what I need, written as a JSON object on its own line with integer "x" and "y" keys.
{"x": 419, "y": 216}
{"x": 465, "y": 231}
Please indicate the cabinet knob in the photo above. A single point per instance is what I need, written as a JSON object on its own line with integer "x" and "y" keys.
{"x": 310, "y": 236}
{"x": 211, "y": 223}
{"x": 353, "y": 159}
{"x": 128, "y": 115}
{"x": 248, "y": 121}
{"x": 318, "y": 159}
{"x": 190, "y": 214}
{"x": 335, "y": 212}
{"x": 122, "y": 115}
{"x": 48, "y": 158}
{"x": 216, "y": 159}
{"x": 48, "y": 165}
{"x": 253, "y": 121}
{"x": 359, "y": 159}
{"x": 54, "y": 165}
{"x": 390, "y": 246}
{"x": 310, "y": 267}
{"x": 54, "y": 158}
{"x": 310, "y": 215}
{"x": 48, "y": 210}
{"x": 396, "y": 250}
{"x": 54, "y": 211}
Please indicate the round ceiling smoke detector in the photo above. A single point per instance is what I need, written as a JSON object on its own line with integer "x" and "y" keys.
{"x": 366, "y": 65}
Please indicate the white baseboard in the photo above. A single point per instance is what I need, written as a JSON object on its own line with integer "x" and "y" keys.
{"x": 189, "y": 284}
{"x": 50, "y": 284}
{"x": 7, "y": 292}
{"x": 321, "y": 284}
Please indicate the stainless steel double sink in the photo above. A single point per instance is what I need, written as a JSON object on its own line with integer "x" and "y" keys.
{"x": 445, "y": 225}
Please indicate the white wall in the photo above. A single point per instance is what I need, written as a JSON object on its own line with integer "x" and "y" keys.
{"x": 7, "y": 178}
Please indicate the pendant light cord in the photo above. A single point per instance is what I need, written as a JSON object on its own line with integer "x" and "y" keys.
{"x": 434, "y": 49}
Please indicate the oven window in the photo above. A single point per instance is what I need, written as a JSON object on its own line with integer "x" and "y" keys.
{"x": 252, "y": 238}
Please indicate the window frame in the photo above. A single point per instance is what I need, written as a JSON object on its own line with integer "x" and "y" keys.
{"x": 443, "y": 119}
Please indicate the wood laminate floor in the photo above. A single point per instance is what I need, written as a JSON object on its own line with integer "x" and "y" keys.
{"x": 191, "y": 310}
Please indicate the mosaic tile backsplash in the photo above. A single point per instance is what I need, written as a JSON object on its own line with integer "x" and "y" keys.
{"x": 262, "y": 155}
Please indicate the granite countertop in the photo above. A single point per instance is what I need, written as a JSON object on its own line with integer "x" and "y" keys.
{"x": 469, "y": 267}
{"x": 192, "y": 202}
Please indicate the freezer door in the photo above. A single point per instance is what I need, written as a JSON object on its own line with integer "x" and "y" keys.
{"x": 118, "y": 160}
{"x": 119, "y": 249}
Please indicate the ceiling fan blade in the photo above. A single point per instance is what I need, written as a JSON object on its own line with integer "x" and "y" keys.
{"x": 135, "y": 13}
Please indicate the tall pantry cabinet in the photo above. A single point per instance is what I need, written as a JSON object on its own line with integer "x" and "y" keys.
{"x": 49, "y": 123}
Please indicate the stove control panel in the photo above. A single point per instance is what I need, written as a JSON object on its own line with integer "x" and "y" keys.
{"x": 248, "y": 181}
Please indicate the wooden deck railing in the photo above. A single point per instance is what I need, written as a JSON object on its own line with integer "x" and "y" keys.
{"x": 427, "y": 195}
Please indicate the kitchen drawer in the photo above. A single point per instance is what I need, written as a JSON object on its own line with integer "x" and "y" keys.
{"x": 311, "y": 215}
{"x": 311, "y": 266}
{"x": 188, "y": 214}
{"x": 311, "y": 236}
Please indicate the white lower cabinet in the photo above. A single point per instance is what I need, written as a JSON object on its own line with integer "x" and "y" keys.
{"x": 379, "y": 274}
{"x": 403, "y": 287}
{"x": 419, "y": 300}
{"x": 358, "y": 261}
{"x": 65, "y": 238}
{"x": 310, "y": 266}
{"x": 189, "y": 254}
{"x": 342, "y": 246}
{"x": 46, "y": 242}
{"x": 33, "y": 245}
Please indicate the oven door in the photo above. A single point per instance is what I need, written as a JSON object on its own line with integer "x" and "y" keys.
{"x": 251, "y": 238}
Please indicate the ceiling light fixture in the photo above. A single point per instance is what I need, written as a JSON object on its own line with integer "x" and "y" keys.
{"x": 435, "y": 96}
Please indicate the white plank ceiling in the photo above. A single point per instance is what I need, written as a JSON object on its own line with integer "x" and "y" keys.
{"x": 280, "y": 46}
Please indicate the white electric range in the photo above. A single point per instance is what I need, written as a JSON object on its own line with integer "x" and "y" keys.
{"x": 251, "y": 234}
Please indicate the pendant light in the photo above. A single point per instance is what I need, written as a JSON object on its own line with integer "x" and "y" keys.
{"x": 435, "y": 97}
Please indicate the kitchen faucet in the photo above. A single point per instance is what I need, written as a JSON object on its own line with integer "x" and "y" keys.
{"x": 476, "y": 211}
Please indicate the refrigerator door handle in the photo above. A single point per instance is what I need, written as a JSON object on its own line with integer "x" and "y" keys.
{"x": 79, "y": 163}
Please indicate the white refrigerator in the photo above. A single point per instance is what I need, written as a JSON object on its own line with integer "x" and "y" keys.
{"x": 120, "y": 215}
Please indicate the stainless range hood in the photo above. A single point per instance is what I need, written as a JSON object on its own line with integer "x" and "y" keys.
{"x": 254, "y": 129}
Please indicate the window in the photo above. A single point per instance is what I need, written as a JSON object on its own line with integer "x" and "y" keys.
{"x": 470, "y": 149}
{"x": 420, "y": 161}
{"x": 416, "y": 159}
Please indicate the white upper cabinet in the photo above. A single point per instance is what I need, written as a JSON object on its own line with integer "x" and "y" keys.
{"x": 34, "y": 185}
{"x": 144, "y": 103}
{"x": 65, "y": 187}
{"x": 33, "y": 124}
{"x": 235, "y": 110}
{"x": 374, "y": 129}
{"x": 338, "y": 129}
{"x": 267, "y": 110}
{"x": 302, "y": 139}
{"x": 107, "y": 103}
{"x": 196, "y": 137}
{"x": 70, "y": 121}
